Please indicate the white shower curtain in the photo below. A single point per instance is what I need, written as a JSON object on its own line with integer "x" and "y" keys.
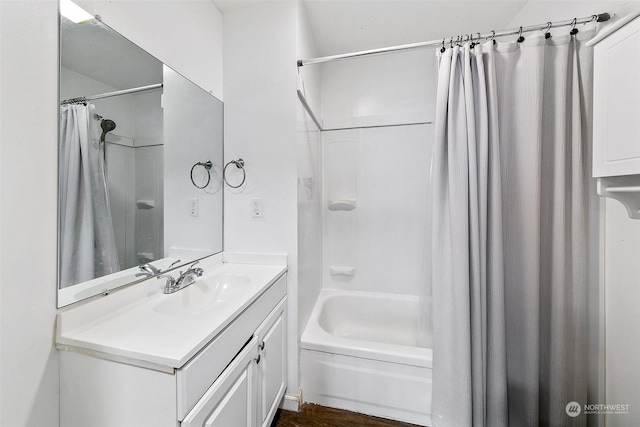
{"x": 87, "y": 243}
{"x": 510, "y": 224}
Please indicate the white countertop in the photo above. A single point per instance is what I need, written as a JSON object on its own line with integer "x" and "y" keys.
{"x": 127, "y": 326}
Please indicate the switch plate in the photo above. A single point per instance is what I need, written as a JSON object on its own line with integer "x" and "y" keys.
{"x": 193, "y": 207}
{"x": 256, "y": 208}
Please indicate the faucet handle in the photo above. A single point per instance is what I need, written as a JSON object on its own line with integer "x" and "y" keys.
{"x": 192, "y": 264}
{"x": 171, "y": 281}
{"x": 172, "y": 264}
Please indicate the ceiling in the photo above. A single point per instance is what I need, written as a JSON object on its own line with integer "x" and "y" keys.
{"x": 341, "y": 26}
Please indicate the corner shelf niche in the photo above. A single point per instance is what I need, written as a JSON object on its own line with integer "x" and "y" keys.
{"x": 625, "y": 189}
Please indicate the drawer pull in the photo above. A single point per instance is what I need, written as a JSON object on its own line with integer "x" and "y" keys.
{"x": 257, "y": 359}
{"x": 262, "y": 345}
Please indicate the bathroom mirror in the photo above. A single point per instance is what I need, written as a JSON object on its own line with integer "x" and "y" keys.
{"x": 140, "y": 157}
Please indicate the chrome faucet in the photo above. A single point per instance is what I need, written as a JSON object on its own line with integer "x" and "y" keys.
{"x": 185, "y": 279}
{"x": 149, "y": 270}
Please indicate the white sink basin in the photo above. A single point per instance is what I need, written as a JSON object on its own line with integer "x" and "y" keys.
{"x": 204, "y": 295}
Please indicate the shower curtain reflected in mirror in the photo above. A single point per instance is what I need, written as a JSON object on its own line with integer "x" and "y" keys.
{"x": 87, "y": 242}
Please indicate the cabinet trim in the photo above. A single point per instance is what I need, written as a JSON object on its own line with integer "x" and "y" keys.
{"x": 217, "y": 392}
{"x": 616, "y": 130}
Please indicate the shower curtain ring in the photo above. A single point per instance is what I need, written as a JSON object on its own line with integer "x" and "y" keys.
{"x": 475, "y": 42}
{"x": 451, "y": 42}
{"x": 547, "y": 34}
{"x": 443, "y": 48}
{"x": 493, "y": 36}
{"x": 574, "y": 30}
{"x": 520, "y": 38}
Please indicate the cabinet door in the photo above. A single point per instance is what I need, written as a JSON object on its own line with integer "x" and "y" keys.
{"x": 272, "y": 369}
{"x": 231, "y": 400}
{"x": 616, "y": 103}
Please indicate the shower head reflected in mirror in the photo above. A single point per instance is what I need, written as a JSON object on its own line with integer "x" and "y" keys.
{"x": 107, "y": 126}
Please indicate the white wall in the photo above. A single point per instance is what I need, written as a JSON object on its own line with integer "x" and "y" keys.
{"x": 28, "y": 206}
{"x": 260, "y": 127}
{"x": 309, "y": 156}
{"x": 622, "y": 298}
{"x": 28, "y": 93}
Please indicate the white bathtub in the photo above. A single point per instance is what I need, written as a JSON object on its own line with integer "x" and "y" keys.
{"x": 360, "y": 351}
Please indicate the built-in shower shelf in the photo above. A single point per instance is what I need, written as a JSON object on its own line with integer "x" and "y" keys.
{"x": 342, "y": 271}
{"x": 342, "y": 205}
{"x": 146, "y": 204}
{"x": 625, "y": 189}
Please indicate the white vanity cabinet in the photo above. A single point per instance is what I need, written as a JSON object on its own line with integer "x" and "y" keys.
{"x": 272, "y": 366}
{"x": 616, "y": 106}
{"x": 237, "y": 379}
{"x": 248, "y": 392}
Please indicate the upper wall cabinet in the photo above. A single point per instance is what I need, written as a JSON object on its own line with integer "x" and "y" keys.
{"x": 616, "y": 105}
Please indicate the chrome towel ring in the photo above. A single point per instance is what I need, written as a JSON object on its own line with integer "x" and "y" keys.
{"x": 240, "y": 165}
{"x": 207, "y": 166}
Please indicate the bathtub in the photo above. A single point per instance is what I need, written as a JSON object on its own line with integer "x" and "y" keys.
{"x": 362, "y": 352}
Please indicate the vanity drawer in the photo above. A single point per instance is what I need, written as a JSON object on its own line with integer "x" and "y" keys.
{"x": 199, "y": 373}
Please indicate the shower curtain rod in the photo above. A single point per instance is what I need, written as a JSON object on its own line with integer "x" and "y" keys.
{"x": 601, "y": 17}
{"x": 110, "y": 94}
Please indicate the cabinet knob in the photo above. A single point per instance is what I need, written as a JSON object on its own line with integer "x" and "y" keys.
{"x": 257, "y": 359}
{"x": 261, "y": 346}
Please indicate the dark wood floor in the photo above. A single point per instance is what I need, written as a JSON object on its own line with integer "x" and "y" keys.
{"x": 321, "y": 416}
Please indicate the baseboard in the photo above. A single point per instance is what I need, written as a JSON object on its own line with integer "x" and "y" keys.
{"x": 292, "y": 402}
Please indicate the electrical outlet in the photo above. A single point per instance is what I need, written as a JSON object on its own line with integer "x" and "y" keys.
{"x": 256, "y": 208}
{"x": 193, "y": 207}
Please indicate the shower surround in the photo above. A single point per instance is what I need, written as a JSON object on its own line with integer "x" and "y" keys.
{"x": 366, "y": 346}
